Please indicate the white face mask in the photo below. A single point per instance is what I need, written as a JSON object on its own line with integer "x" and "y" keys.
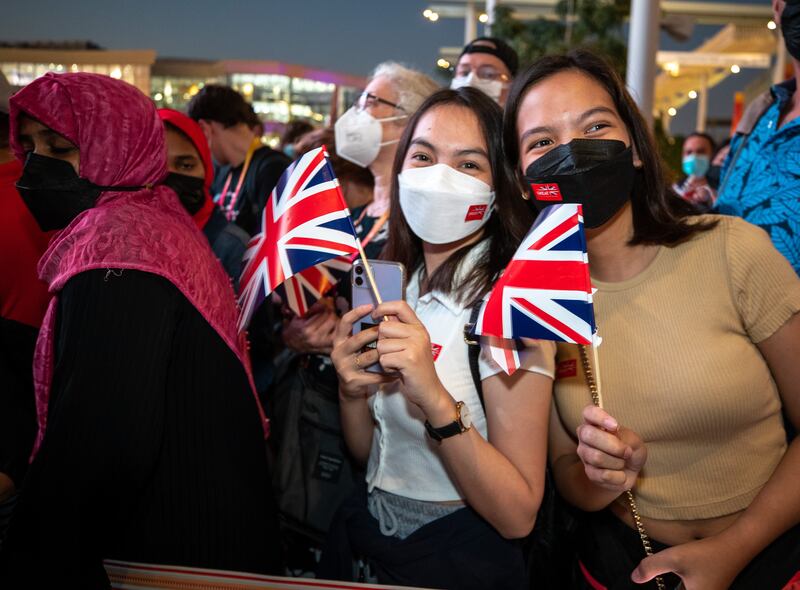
{"x": 492, "y": 88}
{"x": 442, "y": 205}
{"x": 358, "y": 136}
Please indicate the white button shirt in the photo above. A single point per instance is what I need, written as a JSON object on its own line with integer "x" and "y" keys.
{"x": 403, "y": 459}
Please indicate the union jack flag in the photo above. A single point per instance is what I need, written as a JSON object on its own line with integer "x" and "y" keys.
{"x": 305, "y": 222}
{"x": 303, "y": 289}
{"x": 545, "y": 292}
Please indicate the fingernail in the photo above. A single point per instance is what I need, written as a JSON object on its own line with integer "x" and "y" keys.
{"x": 628, "y": 453}
{"x": 610, "y": 424}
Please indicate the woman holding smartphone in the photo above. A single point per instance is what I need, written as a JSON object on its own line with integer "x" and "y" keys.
{"x": 450, "y": 480}
{"x": 701, "y": 338}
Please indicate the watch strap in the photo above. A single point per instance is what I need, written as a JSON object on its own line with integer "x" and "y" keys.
{"x": 455, "y": 427}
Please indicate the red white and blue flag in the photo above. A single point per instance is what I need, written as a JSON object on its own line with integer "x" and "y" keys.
{"x": 305, "y": 222}
{"x": 545, "y": 292}
{"x": 301, "y": 291}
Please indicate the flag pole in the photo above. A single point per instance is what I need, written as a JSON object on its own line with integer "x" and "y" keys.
{"x": 367, "y": 268}
{"x": 596, "y": 360}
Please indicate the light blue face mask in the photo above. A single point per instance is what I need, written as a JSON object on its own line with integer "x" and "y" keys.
{"x": 289, "y": 150}
{"x": 696, "y": 165}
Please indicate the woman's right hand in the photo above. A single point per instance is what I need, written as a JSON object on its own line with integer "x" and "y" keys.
{"x": 612, "y": 455}
{"x": 350, "y": 361}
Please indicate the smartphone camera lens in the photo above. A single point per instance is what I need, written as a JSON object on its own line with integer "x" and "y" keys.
{"x": 359, "y": 281}
{"x": 359, "y": 270}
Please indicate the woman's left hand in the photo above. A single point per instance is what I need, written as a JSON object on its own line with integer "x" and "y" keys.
{"x": 404, "y": 346}
{"x": 707, "y": 564}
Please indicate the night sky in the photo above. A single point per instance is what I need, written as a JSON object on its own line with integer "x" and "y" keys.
{"x": 343, "y": 35}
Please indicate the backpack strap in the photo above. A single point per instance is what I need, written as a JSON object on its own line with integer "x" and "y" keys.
{"x": 474, "y": 348}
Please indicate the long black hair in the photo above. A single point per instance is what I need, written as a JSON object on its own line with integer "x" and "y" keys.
{"x": 506, "y": 227}
{"x": 659, "y": 216}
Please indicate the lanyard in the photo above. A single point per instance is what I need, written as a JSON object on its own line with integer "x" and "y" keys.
{"x": 230, "y": 214}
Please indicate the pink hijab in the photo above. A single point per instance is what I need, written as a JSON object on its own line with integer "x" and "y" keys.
{"x": 121, "y": 141}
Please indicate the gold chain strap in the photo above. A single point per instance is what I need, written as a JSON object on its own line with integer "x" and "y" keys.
{"x": 637, "y": 519}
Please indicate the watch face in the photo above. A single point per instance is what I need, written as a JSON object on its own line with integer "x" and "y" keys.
{"x": 465, "y": 416}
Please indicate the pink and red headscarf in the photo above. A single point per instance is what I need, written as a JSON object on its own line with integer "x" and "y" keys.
{"x": 192, "y": 130}
{"x": 121, "y": 141}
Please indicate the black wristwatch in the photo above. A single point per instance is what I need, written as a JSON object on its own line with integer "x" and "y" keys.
{"x": 461, "y": 424}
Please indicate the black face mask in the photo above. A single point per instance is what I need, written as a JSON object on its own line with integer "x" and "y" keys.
{"x": 595, "y": 173}
{"x": 55, "y": 194}
{"x": 190, "y": 189}
{"x": 713, "y": 176}
{"x": 790, "y": 27}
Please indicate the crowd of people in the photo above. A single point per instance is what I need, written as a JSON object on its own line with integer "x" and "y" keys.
{"x": 139, "y": 423}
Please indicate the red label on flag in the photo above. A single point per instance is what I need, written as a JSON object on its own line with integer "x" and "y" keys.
{"x": 546, "y": 192}
{"x": 476, "y": 212}
{"x": 436, "y": 349}
{"x": 566, "y": 369}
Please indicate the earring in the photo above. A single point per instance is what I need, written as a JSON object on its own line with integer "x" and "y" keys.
{"x": 525, "y": 196}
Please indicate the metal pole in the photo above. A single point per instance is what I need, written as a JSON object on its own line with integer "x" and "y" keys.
{"x": 470, "y": 23}
{"x": 490, "y": 5}
{"x": 779, "y": 73}
{"x": 642, "y": 48}
{"x": 702, "y": 104}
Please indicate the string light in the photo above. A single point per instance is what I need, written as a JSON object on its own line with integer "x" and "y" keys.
{"x": 484, "y": 18}
{"x": 672, "y": 111}
{"x": 443, "y": 63}
{"x": 692, "y": 94}
{"x": 771, "y": 25}
{"x": 735, "y": 69}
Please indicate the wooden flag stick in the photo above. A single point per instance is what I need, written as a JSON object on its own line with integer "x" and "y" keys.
{"x": 596, "y": 360}
{"x": 370, "y": 278}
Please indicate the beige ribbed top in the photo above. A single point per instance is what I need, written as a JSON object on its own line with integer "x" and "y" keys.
{"x": 680, "y": 367}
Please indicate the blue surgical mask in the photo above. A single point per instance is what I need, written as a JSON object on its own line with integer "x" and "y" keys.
{"x": 696, "y": 165}
{"x": 289, "y": 150}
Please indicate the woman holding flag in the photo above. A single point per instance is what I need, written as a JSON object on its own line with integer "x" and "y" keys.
{"x": 452, "y": 475}
{"x": 700, "y": 340}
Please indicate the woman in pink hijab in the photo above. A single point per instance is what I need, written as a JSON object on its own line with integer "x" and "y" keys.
{"x": 151, "y": 439}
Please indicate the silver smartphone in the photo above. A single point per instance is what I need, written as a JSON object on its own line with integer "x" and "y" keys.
{"x": 390, "y": 278}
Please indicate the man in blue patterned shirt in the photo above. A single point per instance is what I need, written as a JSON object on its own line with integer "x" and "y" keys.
{"x": 761, "y": 176}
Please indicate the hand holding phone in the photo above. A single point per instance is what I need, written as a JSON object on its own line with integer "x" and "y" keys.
{"x": 390, "y": 279}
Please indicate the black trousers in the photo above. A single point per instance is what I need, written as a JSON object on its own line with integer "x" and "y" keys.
{"x": 610, "y": 550}
{"x": 460, "y": 551}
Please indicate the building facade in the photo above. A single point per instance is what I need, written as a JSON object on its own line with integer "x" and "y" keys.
{"x": 279, "y": 92}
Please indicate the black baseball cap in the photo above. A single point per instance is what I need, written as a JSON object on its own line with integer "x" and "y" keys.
{"x": 496, "y": 47}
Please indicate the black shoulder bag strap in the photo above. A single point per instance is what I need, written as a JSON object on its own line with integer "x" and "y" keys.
{"x": 474, "y": 348}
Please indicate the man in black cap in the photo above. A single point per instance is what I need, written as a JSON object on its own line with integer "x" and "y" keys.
{"x": 488, "y": 64}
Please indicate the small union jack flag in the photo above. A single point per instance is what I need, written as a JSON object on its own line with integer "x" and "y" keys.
{"x": 303, "y": 289}
{"x": 546, "y": 192}
{"x": 545, "y": 292}
{"x": 305, "y": 222}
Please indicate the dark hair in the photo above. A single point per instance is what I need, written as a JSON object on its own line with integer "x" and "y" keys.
{"x": 705, "y": 136}
{"x": 345, "y": 171}
{"x": 659, "y": 216}
{"x": 294, "y": 130}
{"x": 223, "y": 105}
{"x": 4, "y": 130}
{"x": 506, "y": 227}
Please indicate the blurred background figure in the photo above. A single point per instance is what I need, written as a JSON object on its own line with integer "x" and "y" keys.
{"x": 23, "y": 301}
{"x": 488, "y": 64}
{"x": 247, "y": 170}
{"x": 191, "y": 174}
{"x": 292, "y": 134}
{"x": 698, "y": 149}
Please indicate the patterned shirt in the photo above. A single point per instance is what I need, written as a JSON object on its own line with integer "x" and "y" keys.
{"x": 762, "y": 183}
